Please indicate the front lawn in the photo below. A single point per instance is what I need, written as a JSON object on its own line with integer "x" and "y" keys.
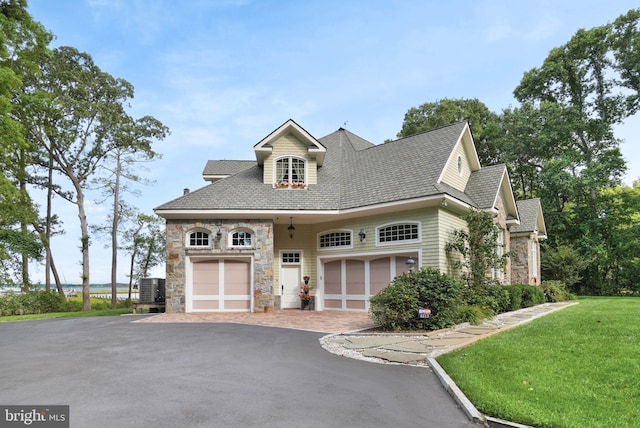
{"x": 77, "y": 314}
{"x": 579, "y": 367}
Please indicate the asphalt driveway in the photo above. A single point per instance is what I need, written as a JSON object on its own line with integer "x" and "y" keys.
{"x": 115, "y": 373}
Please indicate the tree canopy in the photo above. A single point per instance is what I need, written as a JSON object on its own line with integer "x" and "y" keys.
{"x": 559, "y": 145}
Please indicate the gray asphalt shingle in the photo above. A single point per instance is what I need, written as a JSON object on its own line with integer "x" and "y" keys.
{"x": 355, "y": 173}
{"x": 528, "y": 211}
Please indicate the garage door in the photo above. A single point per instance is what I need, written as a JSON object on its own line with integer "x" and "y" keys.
{"x": 349, "y": 283}
{"x": 220, "y": 285}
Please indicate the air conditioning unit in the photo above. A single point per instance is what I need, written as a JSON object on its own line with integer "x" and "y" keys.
{"x": 152, "y": 290}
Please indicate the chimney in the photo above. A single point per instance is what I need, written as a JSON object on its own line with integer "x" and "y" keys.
{"x": 185, "y": 191}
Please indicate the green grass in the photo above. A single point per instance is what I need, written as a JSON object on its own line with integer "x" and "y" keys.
{"x": 79, "y": 314}
{"x": 579, "y": 367}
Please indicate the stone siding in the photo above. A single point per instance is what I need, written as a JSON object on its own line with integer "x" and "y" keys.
{"x": 522, "y": 260}
{"x": 261, "y": 251}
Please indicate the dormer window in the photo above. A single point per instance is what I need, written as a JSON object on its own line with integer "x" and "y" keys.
{"x": 291, "y": 171}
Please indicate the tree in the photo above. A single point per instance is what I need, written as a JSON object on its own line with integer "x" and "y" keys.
{"x": 81, "y": 107}
{"x": 146, "y": 245}
{"x": 593, "y": 84}
{"x": 484, "y": 124}
{"x": 22, "y": 42}
{"x": 133, "y": 141}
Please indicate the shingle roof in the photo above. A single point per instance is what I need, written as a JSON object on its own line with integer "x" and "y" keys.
{"x": 227, "y": 167}
{"x": 484, "y": 184}
{"x": 529, "y": 210}
{"x": 355, "y": 173}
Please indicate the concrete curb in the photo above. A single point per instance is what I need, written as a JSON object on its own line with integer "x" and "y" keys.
{"x": 467, "y": 406}
{"x": 449, "y": 385}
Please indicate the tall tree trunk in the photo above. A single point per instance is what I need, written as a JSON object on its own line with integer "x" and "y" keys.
{"x": 134, "y": 253}
{"x": 50, "y": 262}
{"x": 84, "y": 240}
{"x": 114, "y": 233}
{"x": 49, "y": 259}
{"x": 23, "y": 228}
{"x": 150, "y": 250}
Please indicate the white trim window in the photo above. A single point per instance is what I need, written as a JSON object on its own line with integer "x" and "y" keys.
{"x": 241, "y": 238}
{"x": 335, "y": 239}
{"x": 498, "y": 273}
{"x": 290, "y": 257}
{"x": 398, "y": 233}
{"x": 291, "y": 170}
{"x": 198, "y": 238}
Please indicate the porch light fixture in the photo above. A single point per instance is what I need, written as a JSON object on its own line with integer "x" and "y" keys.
{"x": 291, "y": 229}
{"x": 362, "y": 235}
{"x": 410, "y": 263}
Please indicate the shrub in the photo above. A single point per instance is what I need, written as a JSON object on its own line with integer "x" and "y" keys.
{"x": 555, "y": 291}
{"x": 396, "y": 306}
{"x": 493, "y": 297}
{"x": 474, "y": 314}
{"x": 31, "y": 302}
{"x": 524, "y": 296}
{"x": 532, "y": 295}
{"x": 515, "y": 296}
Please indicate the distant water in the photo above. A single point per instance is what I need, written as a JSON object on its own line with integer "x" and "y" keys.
{"x": 97, "y": 290}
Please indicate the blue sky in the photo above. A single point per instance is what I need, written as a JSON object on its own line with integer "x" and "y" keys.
{"x": 222, "y": 74}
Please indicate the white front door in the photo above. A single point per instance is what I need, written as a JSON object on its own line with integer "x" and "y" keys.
{"x": 290, "y": 286}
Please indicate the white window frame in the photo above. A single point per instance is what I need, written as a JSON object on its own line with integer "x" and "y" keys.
{"x": 417, "y": 224}
{"x": 335, "y": 247}
{"x": 245, "y": 231}
{"x": 196, "y": 231}
{"x": 294, "y": 253}
{"x": 289, "y": 173}
{"x": 498, "y": 273}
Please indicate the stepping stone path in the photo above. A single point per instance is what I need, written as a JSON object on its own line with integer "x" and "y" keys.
{"x": 415, "y": 349}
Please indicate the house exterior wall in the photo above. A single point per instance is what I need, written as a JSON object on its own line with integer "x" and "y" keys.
{"x": 504, "y": 276}
{"x": 524, "y": 269}
{"x": 448, "y": 223}
{"x": 177, "y": 253}
{"x": 306, "y": 239}
{"x": 289, "y": 145}
{"x": 451, "y": 175}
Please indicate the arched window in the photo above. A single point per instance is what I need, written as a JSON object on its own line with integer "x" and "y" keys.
{"x": 398, "y": 233}
{"x": 291, "y": 170}
{"x": 198, "y": 238}
{"x": 241, "y": 238}
{"x": 336, "y": 239}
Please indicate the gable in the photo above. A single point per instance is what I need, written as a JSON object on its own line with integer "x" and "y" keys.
{"x": 531, "y": 218}
{"x": 314, "y": 150}
{"x": 461, "y": 162}
{"x": 487, "y": 184}
{"x": 289, "y": 146}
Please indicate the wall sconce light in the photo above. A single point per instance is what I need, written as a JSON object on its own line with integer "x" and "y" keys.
{"x": 291, "y": 228}
{"x": 218, "y": 234}
{"x": 410, "y": 263}
{"x": 362, "y": 235}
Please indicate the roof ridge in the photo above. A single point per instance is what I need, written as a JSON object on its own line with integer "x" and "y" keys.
{"x": 439, "y": 128}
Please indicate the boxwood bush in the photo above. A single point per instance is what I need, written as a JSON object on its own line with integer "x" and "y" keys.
{"x": 524, "y": 296}
{"x": 396, "y": 307}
